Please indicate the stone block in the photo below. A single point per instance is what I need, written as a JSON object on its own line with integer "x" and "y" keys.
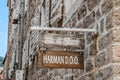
{"x": 116, "y": 3}
{"x": 106, "y": 6}
{"x": 92, "y": 51}
{"x": 89, "y": 65}
{"x": 80, "y": 25}
{"x": 87, "y": 77}
{"x": 77, "y": 73}
{"x": 90, "y": 19}
{"x": 98, "y": 13}
{"x": 89, "y": 37}
{"x": 116, "y": 70}
{"x": 92, "y": 4}
{"x": 100, "y": 59}
{"x": 109, "y": 22}
{"x": 116, "y": 53}
{"x": 82, "y": 12}
{"x": 68, "y": 24}
{"x": 116, "y": 17}
{"x": 109, "y": 55}
{"x": 105, "y": 41}
{"x": 104, "y": 74}
{"x": 116, "y": 35}
{"x": 116, "y": 78}
{"x": 74, "y": 20}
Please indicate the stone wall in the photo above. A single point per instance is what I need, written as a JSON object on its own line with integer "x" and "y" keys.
{"x": 101, "y": 56}
{"x": 98, "y": 51}
{"x": 116, "y": 39}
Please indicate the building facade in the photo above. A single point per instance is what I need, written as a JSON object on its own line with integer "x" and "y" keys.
{"x": 99, "y": 50}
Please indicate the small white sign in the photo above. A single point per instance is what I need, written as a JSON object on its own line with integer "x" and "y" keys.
{"x": 60, "y": 40}
{"x": 19, "y": 75}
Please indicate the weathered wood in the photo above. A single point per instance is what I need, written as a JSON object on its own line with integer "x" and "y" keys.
{"x": 63, "y": 40}
{"x": 60, "y": 59}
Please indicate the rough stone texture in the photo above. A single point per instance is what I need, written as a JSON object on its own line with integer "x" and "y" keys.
{"x": 109, "y": 22}
{"x": 82, "y": 12}
{"x": 89, "y": 37}
{"x": 105, "y": 41}
{"x": 92, "y": 4}
{"x": 116, "y": 3}
{"x": 98, "y": 13}
{"x": 116, "y": 78}
{"x": 88, "y": 77}
{"x": 104, "y": 74}
{"x": 80, "y": 25}
{"x": 100, "y": 59}
{"x": 89, "y": 65}
{"x": 92, "y": 51}
{"x": 116, "y": 16}
{"x": 106, "y": 6}
{"x": 100, "y": 56}
{"x": 116, "y": 70}
{"x": 116, "y": 36}
{"x": 109, "y": 54}
{"x": 116, "y": 53}
{"x": 74, "y": 20}
{"x": 90, "y": 19}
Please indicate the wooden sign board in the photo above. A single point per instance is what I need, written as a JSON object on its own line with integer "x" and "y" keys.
{"x": 60, "y": 40}
{"x": 60, "y": 59}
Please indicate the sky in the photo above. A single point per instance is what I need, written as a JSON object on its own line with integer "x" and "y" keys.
{"x": 3, "y": 27}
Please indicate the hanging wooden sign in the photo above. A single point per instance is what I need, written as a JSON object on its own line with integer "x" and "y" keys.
{"x": 60, "y": 59}
{"x": 62, "y": 40}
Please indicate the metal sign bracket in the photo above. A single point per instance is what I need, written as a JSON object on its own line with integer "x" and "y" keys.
{"x": 79, "y": 30}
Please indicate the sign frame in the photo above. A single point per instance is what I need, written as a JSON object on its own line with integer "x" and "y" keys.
{"x": 61, "y": 59}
